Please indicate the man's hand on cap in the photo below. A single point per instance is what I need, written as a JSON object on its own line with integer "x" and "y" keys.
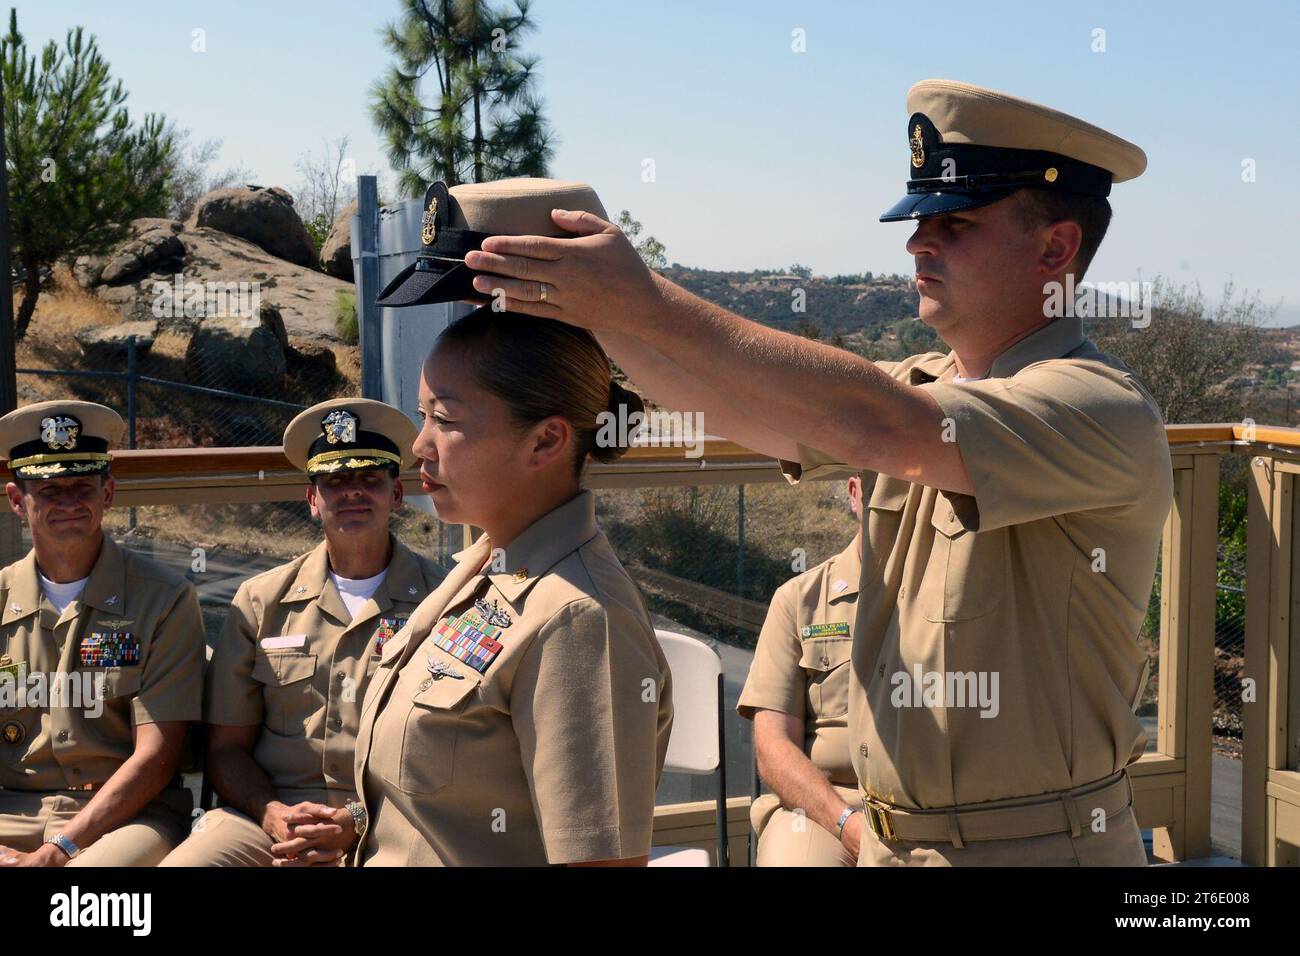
{"x": 596, "y": 280}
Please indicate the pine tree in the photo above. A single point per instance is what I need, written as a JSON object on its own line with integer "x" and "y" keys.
{"x": 484, "y": 121}
{"x": 79, "y": 171}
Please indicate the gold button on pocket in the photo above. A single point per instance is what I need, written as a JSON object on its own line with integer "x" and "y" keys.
{"x": 826, "y": 663}
{"x": 966, "y": 574}
{"x": 289, "y": 696}
{"x": 432, "y": 727}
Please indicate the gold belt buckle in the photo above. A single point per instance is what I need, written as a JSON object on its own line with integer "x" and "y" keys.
{"x": 878, "y": 819}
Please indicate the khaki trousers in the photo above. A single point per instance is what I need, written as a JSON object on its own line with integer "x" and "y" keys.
{"x": 226, "y": 837}
{"x": 786, "y": 838}
{"x": 29, "y": 818}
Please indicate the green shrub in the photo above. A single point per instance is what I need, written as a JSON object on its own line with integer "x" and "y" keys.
{"x": 345, "y": 318}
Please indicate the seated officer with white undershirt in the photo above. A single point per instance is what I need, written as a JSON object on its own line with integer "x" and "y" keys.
{"x": 289, "y": 671}
{"x": 101, "y": 660}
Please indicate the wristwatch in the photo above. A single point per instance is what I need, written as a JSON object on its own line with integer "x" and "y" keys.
{"x": 64, "y": 844}
{"x": 359, "y": 818}
{"x": 844, "y": 818}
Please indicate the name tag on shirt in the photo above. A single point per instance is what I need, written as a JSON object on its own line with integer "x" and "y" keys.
{"x": 283, "y": 641}
{"x": 824, "y": 630}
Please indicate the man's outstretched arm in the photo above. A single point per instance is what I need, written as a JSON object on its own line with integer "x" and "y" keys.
{"x": 668, "y": 384}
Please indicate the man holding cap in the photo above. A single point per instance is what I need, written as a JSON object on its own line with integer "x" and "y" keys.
{"x": 457, "y": 219}
{"x": 289, "y": 671}
{"x": 1010, "y": 541}
{"x": 101, "y": 660}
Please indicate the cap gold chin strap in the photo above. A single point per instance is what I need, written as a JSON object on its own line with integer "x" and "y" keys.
{"x": 328, "y": 456}
{"x": 59, "y": 456}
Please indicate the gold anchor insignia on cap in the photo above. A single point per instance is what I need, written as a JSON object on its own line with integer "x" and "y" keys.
{"x": 918, "y": 147}
{"x": 1051, "y": 174}
{"x": 60, "y": 431}
{"x": 339, "y": 426}
{"x": 429, "y": 229}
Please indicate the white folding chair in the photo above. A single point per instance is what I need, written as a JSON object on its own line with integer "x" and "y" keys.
{"x": 697, "y": 744}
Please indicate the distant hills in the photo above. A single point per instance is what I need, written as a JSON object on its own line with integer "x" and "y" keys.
{"x": 842, "y": 305}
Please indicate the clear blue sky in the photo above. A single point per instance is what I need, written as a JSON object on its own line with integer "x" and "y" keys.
{"x": 766, "y": 157}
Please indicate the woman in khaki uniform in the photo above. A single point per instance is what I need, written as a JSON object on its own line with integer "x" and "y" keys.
{"x": 797, "y": 695}
{"x": 522, "y": 715}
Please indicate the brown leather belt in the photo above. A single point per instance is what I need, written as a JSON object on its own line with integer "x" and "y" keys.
{"x": 1070, "y": 811}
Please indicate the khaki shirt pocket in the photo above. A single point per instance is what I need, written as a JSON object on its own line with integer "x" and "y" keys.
{"x": 826, "y": 662}
{"x": 122, "y": 681}
{"x": 966, "y": 574}
{"x": 287, "y": 690}
{"x": 428, "y": 754}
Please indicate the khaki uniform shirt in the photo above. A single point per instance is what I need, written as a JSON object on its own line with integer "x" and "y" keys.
{"x": 292, "y": 659}
{"x": 801, "y": 663}
{"x": 128, "y": 651}
{"x": 996, "y": 650}
{"x": 522, "y": 715}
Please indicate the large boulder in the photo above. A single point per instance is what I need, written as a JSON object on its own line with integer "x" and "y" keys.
{"x": 270, "y": 316}
{"x": 265, "y": 217}
{"x": 105, "y": 346}
{"x": 306, "y": 298}
{"x": 156, "y": 250}
{"x": 237, "y": 355}
{"x": 147, "y": 223}
{"x": 88, "y": 270}
{"x": 336, "y": 251}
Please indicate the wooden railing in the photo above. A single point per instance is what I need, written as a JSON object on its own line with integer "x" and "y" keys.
{"x": 1171, "y": 785}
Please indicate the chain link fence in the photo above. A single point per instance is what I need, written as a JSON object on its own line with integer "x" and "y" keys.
{"x": 188, "y": 383}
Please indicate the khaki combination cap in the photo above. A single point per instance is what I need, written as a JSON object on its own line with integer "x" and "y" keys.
{"x": 60, "y": 439}
{"x": 350, "y": 434}
{"x": 969, "y": 146}
{"x": 456, "y": 221}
